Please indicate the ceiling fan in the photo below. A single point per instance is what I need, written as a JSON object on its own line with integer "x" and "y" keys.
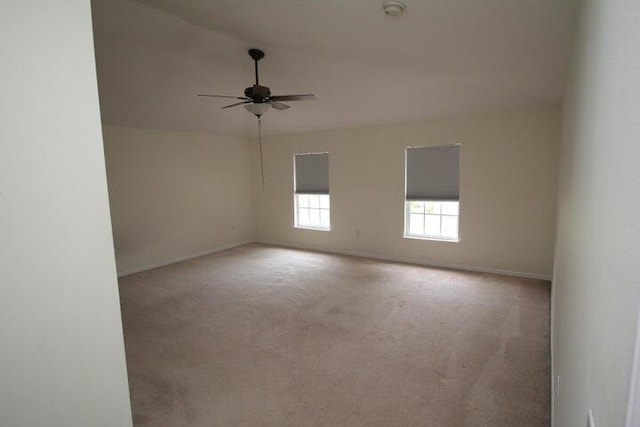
{"x": 257, "y": 99}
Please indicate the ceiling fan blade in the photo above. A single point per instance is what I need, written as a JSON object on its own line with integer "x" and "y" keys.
{"x": 222, "y": 96}
{"x": 278, "y": 105}
{"x": 237, "y": 103}
{"x": 306, "y": 97}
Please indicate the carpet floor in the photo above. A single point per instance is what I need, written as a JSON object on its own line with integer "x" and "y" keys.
{"x": 267, "y": 336}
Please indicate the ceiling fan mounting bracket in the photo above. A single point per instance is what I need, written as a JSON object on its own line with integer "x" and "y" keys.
{"x": 256, "y": 54}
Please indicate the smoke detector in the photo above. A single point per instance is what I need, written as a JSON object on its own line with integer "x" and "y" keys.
{"x": 393, "y": 8}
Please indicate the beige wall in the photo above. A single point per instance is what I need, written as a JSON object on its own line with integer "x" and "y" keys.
{"x": 62, "y": 358}
{"x": 176, "y": 194}
{"x": 508, "y": 190}
{"x": 596, "y": 285}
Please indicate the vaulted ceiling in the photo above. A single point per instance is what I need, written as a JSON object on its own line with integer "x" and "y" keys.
{"x": 441, "y": 58}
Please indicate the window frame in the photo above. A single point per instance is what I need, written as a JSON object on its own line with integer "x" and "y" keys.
{"x": 405, "y": 233}
{"x": 407, "y": 213}
{"x": 295, "y": 194}
{"x": 296, "y": 213}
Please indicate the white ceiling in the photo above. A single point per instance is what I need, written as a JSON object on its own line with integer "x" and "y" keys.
{"x": 443, "y": 57}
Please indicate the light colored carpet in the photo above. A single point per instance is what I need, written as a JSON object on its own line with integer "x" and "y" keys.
{"x": 265, "y": 336}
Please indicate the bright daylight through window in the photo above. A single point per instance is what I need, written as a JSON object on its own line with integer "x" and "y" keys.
{"x": 432, "y": 200}
{"x": 432, "y": 219}
{"x": 312, "y": 211}
{"x": 312, "y": 205}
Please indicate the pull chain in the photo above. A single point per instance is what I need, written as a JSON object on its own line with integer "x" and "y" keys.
{"x": 261, "y": 160}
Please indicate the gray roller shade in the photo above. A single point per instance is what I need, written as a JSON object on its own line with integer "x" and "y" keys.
{"x": 433, "y": 173}
{"x": 312, "y": 173}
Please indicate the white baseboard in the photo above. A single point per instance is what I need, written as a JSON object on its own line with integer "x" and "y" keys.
{"x": 633, "y": 405}
{"x": 552, "y": 366}
{"x": 407, "y": 260}
{"x": 181, "y": 258}
{"x": 340, "y": 252}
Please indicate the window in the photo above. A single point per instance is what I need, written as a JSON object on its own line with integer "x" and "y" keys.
{"x": 433, "y": 192}
{"x": 312, "y": 204}
{"x": 432, "y": 219}
{"x": 312, "y": 211}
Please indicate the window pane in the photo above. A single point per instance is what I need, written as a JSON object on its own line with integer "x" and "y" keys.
{"x": 324, "y": 201}
{"x": 303, "y": 216}
{"x": 324, "y": 218}
{"x": 303, "y": 200}
{"x": 450, "y": 227}
{"x": 432, "y": 225}
{"x": 416, "y": 207}
{"x": 416, "y": 224}
{"x": 450, "y": 208}
{"x": 314, "y": 216}
{"x": 432, "y": 207}
{"x": 309, "y": 213}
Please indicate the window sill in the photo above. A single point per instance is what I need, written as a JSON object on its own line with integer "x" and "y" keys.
{"x": 305, "y": 227}
{"x": 437, "y": 239}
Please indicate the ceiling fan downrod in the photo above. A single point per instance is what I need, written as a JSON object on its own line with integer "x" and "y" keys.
{"x": 257, "y": 55}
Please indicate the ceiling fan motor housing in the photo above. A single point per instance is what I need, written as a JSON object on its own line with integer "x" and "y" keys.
{"x": 257, "y": 93}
